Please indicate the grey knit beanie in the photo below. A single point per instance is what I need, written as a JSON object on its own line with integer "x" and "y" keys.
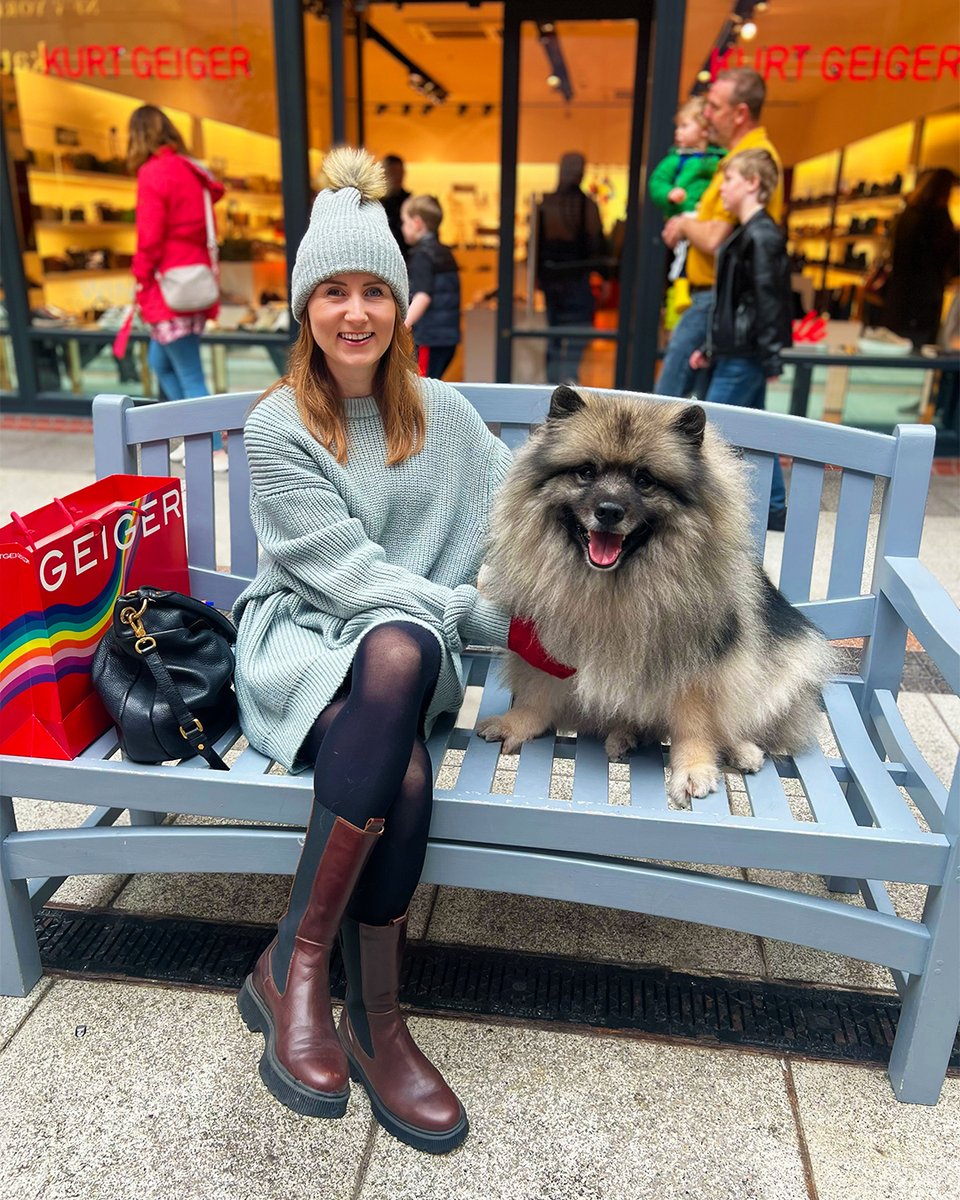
{"x": 348, "y": 231}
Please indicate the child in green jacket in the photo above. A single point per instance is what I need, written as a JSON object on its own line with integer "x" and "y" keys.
{"x": 676, "y": 185}
{"x": 680, "y": 179}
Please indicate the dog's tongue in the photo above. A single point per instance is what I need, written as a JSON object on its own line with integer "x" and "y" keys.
{"x": 604, "y": 548}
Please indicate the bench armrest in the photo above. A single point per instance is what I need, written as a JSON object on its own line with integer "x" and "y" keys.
{"x": 927, "y": 610}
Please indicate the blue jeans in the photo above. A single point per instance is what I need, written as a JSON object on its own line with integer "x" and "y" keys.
{"x": 742, "y": 381}
{"x": 677, "y": 377}
{"x": 179, "y": 371}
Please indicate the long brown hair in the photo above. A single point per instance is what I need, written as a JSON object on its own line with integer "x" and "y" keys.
{"x": 150, "y": 128}
{"x": 394, "y": 388}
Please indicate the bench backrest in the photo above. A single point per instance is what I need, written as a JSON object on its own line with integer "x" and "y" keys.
{"x": 880, "y": 499}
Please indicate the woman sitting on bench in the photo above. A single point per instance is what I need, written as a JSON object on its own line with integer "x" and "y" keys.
{"x": 370, "y": 490}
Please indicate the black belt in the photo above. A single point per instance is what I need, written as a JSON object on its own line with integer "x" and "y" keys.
{"x": 700, "y": 287}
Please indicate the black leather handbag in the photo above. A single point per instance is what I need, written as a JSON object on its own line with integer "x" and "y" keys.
{"x": 164, "y": 671}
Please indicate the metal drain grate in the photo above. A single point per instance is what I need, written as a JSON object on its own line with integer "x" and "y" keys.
{"x": 812, "y": 1021}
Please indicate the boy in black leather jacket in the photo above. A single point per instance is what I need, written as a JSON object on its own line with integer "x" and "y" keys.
{"x": 750, "y": 322}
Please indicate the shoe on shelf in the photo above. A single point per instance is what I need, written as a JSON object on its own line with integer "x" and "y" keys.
{"x": 180, "y": 454}
{"x": 883, "y": 341}
{"x": 777, "y": 519}
{"x": 221, "y": 461}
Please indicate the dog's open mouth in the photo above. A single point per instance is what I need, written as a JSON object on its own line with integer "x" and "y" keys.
{"x": 603, "y": 549}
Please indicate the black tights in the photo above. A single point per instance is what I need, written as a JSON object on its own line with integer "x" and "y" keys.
{"x": 372, "y": 762}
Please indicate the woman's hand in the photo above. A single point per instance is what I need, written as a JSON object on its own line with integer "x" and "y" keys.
{"x": 677, "y": 195}
{"x": 698, "y": 360}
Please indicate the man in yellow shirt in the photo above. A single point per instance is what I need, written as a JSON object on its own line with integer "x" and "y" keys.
{"x": 732, "y": 108}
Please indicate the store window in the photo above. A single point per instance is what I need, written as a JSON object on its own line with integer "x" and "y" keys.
{"x": 860, "y": 102}
{"x": 71, "y": 76}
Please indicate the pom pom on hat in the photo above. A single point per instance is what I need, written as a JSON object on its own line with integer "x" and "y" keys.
{"x": 349, "y": 231}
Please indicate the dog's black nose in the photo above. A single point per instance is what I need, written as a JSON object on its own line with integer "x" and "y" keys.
{"x": 609, "y": 513}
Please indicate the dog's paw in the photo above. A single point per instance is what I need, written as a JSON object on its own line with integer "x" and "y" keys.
{"x": 746, "y": 757}
{"x": 619, "y": 743}
{"x": 695, "y": 781}
{"x": 512, "y": 728}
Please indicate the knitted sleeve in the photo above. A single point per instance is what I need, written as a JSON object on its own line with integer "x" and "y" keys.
{"x": 303, "y": 524}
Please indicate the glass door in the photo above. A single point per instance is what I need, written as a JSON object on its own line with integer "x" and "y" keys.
{"x": 573, "y": 92}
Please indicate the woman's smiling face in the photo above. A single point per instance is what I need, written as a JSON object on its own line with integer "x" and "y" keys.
{"x": 352, "y": 318}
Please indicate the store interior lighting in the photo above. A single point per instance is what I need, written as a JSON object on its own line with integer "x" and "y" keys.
{"x": 419, "y": 79}
{"x": 558, "y": 77}
{"x": 739, "y": 25}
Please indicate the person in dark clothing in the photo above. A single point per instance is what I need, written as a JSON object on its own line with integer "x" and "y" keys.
{"x": 434, "y": 315}
{"x": 570, "y": 244}
{"x": 925, "y": 255}
{"x": 750, "y": 322}
{"x": 393, "y": 201}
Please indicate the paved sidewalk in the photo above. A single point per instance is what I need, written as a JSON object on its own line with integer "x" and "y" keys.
{"x": 112, "y": 1090}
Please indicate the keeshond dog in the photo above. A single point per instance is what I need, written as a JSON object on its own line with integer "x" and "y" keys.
{"x": 622, "y": 531}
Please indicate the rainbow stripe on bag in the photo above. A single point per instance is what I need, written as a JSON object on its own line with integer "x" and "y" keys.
{"x": 48, "y": 646}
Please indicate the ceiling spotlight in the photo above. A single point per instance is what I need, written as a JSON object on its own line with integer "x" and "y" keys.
{"x": 553, "y": 81}
{"x": 415, "y": 79}
{"x": 704, "y": 76}
{"x": 762, "y": 6}
{"x": 547, "y": 27}
{"x": 748, "y": 31}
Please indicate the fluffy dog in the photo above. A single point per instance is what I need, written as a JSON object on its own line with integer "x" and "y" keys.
{"x": 622, "y": 531}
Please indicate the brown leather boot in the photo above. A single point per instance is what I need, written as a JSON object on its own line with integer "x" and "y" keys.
{"x": 407, "y": 1093}
{"x": 287, "y": 995}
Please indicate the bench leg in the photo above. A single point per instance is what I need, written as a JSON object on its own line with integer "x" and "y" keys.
{"x": 840, "y": 883}
{"x": 19, "y": 956}
{"x": 931, "y": 1003}
{"x": 140, "y": 816}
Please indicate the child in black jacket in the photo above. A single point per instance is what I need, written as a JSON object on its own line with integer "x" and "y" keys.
{"x": 750, "y": 322}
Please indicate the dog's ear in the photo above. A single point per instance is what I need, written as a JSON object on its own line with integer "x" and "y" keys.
{"x": 564, "y": 403}
{"x": 691, "y": 423}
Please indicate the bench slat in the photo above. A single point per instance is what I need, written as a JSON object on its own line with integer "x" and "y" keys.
{"x": 928, "y": 793}
{"x": 761, "y": 478}
{"x": 850, "y": 539}
{"x": 514, "y": 435}
{"x": 716, "y": 803}
{"x": 800, "y": 538}
{"x": 155, "y": 458}
{"x": 535, "y": 769}
{"x": 480, "y": 757}
{"x": 591, "y": 774}
{"x": 243, "y": 541}
{"x": 824, "y": 794}
{"x": 766, "y": 795}
{"x": 251, "y": 763}
{"x": 886, "y": 805}
{"x": 201, "y": 535}
{"x": 648, "y": 781}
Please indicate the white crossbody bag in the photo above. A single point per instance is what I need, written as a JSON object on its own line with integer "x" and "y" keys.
{"x": 195, "y": 287}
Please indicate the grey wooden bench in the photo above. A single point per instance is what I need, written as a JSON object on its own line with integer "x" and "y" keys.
{"x": 848, "y": 820}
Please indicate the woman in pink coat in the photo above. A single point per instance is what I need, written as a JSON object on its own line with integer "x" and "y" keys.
{"x": 171, "y": 232}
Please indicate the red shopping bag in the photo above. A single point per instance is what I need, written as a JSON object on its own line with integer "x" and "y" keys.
{"x": 62, "y": 568}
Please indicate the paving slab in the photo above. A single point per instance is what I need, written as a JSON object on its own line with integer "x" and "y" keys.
{"x": 111, "y": 1091}
{"x": 865, "y": 1145}
{"x": 14, "y": 1010}
{"x": 528, "y": 923}
{"x": 561, "y": 1115}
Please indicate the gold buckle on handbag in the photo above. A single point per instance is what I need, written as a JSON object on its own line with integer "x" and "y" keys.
{"x": 198, "y": 728}
{"x": 131, "y": 616}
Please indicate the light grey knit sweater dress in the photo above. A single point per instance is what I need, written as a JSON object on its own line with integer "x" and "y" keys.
{"x": 346, "y": 548}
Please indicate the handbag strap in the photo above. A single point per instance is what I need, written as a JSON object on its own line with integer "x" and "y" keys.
{"x": 212, "y": 248}
{"x": 191, "y": 729}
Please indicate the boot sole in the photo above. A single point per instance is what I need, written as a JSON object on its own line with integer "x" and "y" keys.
{"x": 412, "y": 1135}
{"x": 277, "y": 1079}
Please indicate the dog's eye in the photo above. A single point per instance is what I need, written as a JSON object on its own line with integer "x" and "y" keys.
{"x": 586, "y": 473}
{"x": 643, "y": 478}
